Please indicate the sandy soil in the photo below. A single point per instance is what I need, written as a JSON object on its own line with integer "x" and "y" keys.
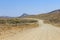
{"x": 43, "y": 32}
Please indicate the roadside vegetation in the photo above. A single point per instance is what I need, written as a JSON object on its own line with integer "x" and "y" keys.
{"x": 16, "y": 24}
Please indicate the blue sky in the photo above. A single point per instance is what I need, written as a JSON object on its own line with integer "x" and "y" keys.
{"x": 18, "y": 7}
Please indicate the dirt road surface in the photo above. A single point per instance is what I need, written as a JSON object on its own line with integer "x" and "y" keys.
{"x": 43, "y": 32}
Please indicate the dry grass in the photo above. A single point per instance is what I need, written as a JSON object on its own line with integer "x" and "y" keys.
{"x": 11, "y": 26}
{"x": 9, "y": 29}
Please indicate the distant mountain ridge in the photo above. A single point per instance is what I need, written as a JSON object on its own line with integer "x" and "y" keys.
{"x": 24, "y": 14}
{"x": 5, "y": 17}
{"x": 52, "y": 13}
